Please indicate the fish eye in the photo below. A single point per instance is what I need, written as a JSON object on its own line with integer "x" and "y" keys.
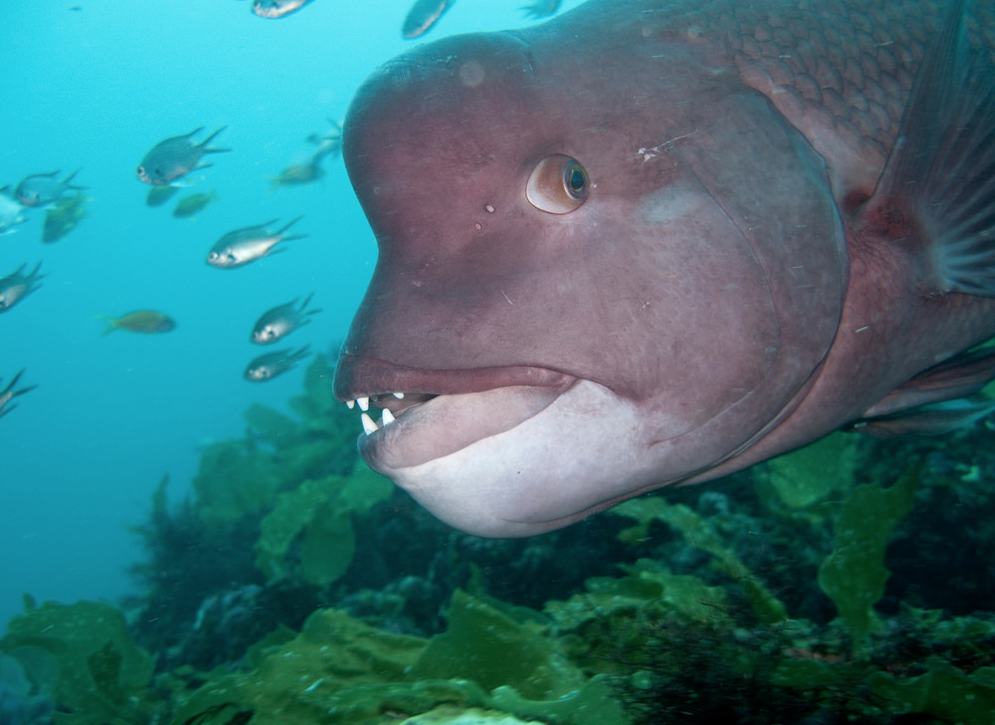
{"x": 558, "y": 184}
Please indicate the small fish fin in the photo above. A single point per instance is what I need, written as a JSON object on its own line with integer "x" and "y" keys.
{"x": 939, "y": 175}
{"x": 306, "y": 300}
{"x": 198, "y": 167}
{"x": 959, "y": 377}
{"x": 286, "y": 227}
{"x": 292, "y": 237}
{"x": 933, "y": 419}
{"x": 65, "y": 182}
{"x": 195, "y": 132}
{"x": 273, "y": 250}
{"x": 210, "y": 138}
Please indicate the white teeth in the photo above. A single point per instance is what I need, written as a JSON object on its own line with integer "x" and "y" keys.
{"x": 364, "y": 404}
{"x": 399, "y": 396}
{"x": 388, "y": 417}
{"x": 368, "y": 425}
{"x": 350, "y": 404}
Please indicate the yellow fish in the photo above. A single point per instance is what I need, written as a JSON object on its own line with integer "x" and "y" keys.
{"x": 148, "y": 321}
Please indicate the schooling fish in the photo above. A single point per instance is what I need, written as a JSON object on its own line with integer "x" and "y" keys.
{"x": 8, "y": 394}
{"x": 15, "y": 287}
{"x": 297, "y": 175}
{"x": 10, "y": 213}
{"x": 149, "y": 322}
{"x": 277, "y": 8}
{"x": 277, "y": 323}
{"x": 423, "y": 15}
{"x": 159, "y": 195}
{"x": 43, "y": 189}
{"x": 649, "y": 243}
{"x": 246, "y": 245}
{"x": 63, "y": 216}
{"x": 188, "y": 206}
{"x": 175, "y": 157}
{"x": 268, "y": 366}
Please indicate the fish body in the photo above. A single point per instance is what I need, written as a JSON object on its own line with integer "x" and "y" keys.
{"x": 159, "y": 195}
{"x": 242, "y": 246}
{"x": 277, "y": 8}
{"x": 176, "y": 157}
{"x": 8, "y": 394}
{"x": 269, "y": 365}
{"x": 10, "y": 213}
{"x": 15, "y": 287}
{"x": 188, "y": 206}
{"x": 63, "y": 216}
{"x": 423, "y": 15}
{"x": 651, "y": 243}
{"x": 297, "y": 175}
{"x": 44, "y": 189}
{"x": 277, "y": 323}
{"x": 149, "y": 322}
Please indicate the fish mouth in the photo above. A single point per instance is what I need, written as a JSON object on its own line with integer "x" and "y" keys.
{"x": 413, "y": 416}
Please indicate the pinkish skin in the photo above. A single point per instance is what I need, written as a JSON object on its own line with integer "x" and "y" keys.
{"x": 739, "y": 275}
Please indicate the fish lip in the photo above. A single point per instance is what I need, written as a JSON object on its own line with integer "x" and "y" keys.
{"x": 427, "y": 427}
{"x": 442, "y": 411}
{"x": 360, "y": 376}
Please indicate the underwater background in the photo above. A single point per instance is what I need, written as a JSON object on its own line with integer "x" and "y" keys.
{"x": 94, "y": 89}
{"x": 183, "y": 546}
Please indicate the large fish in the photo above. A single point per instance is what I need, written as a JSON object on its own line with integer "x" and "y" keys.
{"x": 655, "y": 242}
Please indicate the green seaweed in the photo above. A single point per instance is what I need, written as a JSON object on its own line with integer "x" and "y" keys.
{"x": 319, "y": 515}
{"x": 487, "y": 646}
{"x": 701, "y": 534}
{"x": 84, "y": 655}
{"x": 854, "y": 574}
{"x": 813, "y": 474}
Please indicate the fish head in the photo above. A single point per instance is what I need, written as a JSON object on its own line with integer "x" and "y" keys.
{"x": 602, "y": 268}
{"x": 268, "y": 333}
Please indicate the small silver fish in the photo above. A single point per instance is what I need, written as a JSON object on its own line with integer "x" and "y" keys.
{"x": 423, "y": 16}
{"x": 8, "y": 393}
{"x": 10, "y": 213}
{"x": 175, "y": 157}
{"x": 280, "y": 321}
{"x": 15, "y": 287}
{"x": 277, "y": 8}
{"x": 246, "y": 245}
{"x": 43, "y": 189}
{"x": 268, "y": 366}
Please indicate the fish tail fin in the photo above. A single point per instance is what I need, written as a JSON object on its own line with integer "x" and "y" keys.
{"x": 112, "y": 324}
{"x": 306, "y": 300}
{"x": 292, "y": 237}
{"x": 287, "y": 226}
{"x": 65, "y": 182}
{"x": 938, "y": 183}
{"x": 210, "y": 138}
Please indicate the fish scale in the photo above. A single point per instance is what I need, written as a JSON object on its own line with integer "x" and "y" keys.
{"x": 852, "y": 64}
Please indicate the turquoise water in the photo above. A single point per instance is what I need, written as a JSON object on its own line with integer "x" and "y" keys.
{"x": 94, "y": 89}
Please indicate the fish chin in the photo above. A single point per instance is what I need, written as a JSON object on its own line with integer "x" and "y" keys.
{"x": 515, "y": 461}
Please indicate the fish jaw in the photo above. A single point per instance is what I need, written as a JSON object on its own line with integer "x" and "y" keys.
{"x": 509, "y": 482}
